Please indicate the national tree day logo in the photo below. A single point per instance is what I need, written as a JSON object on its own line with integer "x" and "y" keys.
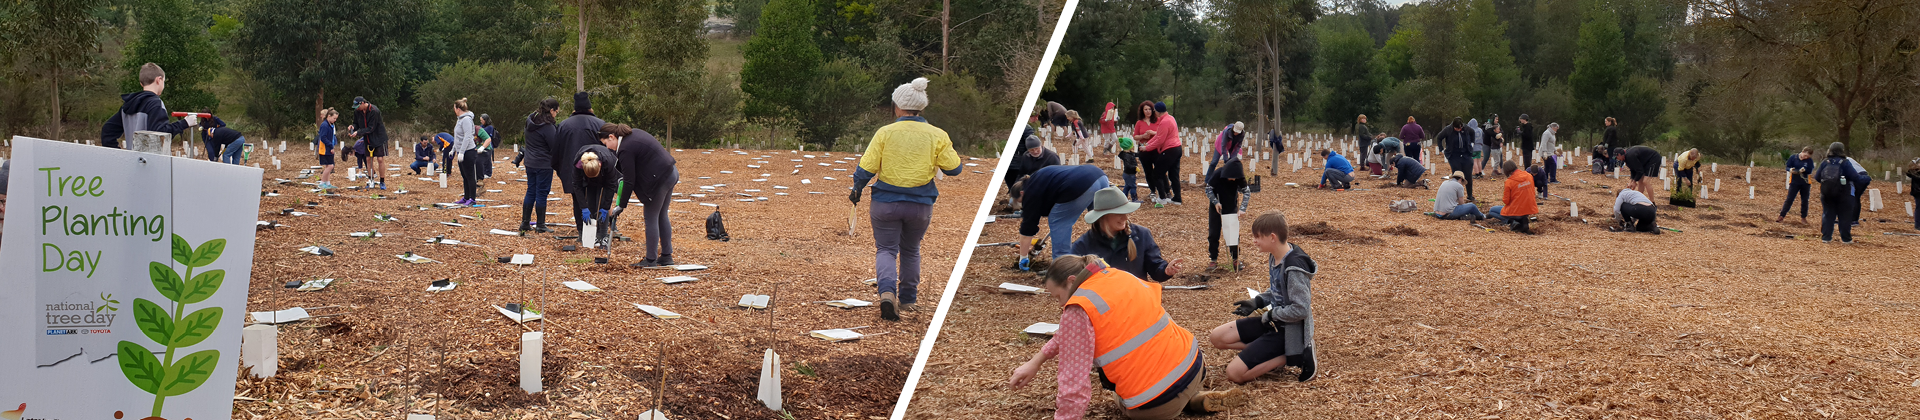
{"x": 177, "y": 329}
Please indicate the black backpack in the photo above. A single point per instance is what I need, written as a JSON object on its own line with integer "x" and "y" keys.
{"x": 715, "y": 229}
{"x": 1833, "y": 177}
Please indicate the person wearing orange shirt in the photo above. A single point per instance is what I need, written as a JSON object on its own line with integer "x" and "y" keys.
{"x": 1519, "y": 195}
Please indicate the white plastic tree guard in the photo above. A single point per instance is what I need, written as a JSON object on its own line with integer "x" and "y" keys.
{"x": 770, "y": 381}
{"x": 260, "y": 349}
{"x": 530, "y": 348}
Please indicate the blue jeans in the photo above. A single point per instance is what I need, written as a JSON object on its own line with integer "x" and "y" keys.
{"x": 539, "y": 184}
{"x": 1463, "y": 211}
{"x": 1129, "y": 187}
{"x": 1495, "y": 215}
{"x": 898, "y": 228}
{"x": 1064, "y": 216}
{"x": 231, "y": 154}
{"x": 417, "y": 164}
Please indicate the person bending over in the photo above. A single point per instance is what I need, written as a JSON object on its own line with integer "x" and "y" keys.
{"x": 1115, "y": 321}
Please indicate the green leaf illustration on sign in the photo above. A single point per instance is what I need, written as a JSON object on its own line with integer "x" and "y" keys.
{"x": 202, "y": 286}
{"x": 188, "y": 373}
{"x": 165, "y": 280}
{"x": 196, "y": 327}
{"x": 140, "y": 366}
{"x": 153, "y": 321}
{"x": 206, "y": 253}
{"x": 176, "y": 329}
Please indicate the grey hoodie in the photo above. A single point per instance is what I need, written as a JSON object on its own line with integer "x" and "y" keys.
{"x": 1289, "y": 298}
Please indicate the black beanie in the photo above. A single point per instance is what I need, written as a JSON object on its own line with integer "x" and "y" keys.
{"x": 581, "y": 104}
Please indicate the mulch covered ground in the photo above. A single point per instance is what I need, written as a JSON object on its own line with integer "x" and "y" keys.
{"x": 1422, "y": 318}
{"x": 396, "y": 348}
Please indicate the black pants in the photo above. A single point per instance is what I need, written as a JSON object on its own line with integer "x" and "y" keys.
{"x": 1858, "y": 202}
{"x": 468, "y": 173}
{"x": 1804, "y": 191}
{"x": 485, "y": 165}
{"x": 1149, "y": 165}
{"x": 1463, "y": 165}
{"x": 1413, "y": 151}
{"x": 1229, "y": 201}
{"x": 1526, "y": 156}
{"x": 1837, "y": 209}
{"x": 1169, "y": 167}
{"x": 1641, "y": 216}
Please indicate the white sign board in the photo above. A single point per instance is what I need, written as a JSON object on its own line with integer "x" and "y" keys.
{"x": 126, "y": 282}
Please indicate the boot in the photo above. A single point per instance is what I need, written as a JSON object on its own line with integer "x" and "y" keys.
{"x": 888, "y": 310}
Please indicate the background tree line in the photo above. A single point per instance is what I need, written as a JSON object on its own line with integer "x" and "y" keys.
{"x": 786, "y": 72}
{"x": 1732, "y": 77}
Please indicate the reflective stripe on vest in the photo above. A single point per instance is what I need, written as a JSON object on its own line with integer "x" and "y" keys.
{"x": 1136, "y": 342}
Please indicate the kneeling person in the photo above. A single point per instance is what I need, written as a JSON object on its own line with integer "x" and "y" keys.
{"x": 1283, "y": 335}
{"x": 1151, "y": 364}
{"x": 1634, "y": 211}
{"x": 1410, "y": 172}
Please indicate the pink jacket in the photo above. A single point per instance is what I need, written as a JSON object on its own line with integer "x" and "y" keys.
{"x": 1167, "y": 134}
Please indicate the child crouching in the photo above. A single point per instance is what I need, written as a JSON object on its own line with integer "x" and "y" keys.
{"x": 1283, "y": 334}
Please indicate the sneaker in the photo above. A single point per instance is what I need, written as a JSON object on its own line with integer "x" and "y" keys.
{"x": 1218, "y": 401}
{"x": 383, "y": 185}
{"x": 1308, "y": 363}
{"x": 1846, "y": 242}
{"x": 887, "y": 309}
{"x": 541, "y": 229}
{"x": 645, "y": 264}
{"x": 1826, "y": 241}
{"x": 461, "y": 202}
{"x": 665, "y": 259}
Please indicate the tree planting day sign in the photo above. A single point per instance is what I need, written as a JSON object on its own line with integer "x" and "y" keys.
{"x": 123, "y": 283}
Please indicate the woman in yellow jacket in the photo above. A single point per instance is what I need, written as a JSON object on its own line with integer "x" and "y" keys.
{"x": 1114, "y": 320}
{"x": 900, "y": 162}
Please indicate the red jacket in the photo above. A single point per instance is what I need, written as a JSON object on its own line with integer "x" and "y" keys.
{"x": 1519, "y": 195}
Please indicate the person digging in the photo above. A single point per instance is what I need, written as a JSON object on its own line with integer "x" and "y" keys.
{"x": 597, "y": 174}
{"x": 1153, "y": 366}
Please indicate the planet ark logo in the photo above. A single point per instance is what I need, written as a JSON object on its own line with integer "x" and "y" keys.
{"x": 82, "y": 318}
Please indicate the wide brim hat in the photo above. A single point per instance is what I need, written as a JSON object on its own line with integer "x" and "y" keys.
{"x": 1107, "y": 201}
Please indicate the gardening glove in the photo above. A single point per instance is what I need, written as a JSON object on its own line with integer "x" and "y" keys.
{"x": 1246, "y": 307}
{"x": 586, "y": 214}
{"x": 854, "y": 196}
{"x": 192, "y": 120}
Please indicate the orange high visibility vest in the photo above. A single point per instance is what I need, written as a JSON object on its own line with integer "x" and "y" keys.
{"x": 1135, "y": 342}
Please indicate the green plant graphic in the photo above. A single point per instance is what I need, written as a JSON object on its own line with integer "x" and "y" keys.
{"x": 177, "y": 329}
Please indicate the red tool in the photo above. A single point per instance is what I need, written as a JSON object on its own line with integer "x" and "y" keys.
{"x": 196, "y": 114}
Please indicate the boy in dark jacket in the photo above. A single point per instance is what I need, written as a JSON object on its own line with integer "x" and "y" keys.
{"x": 144, "y": 111}
{"x": 422, "y": 154}
{"x": 1278, "y": 328}
{"x": 1798, "y": 167}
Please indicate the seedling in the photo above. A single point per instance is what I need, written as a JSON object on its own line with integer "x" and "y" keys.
{"x": 803, "y": 369}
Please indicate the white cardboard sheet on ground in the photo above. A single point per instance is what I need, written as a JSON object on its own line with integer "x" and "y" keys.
{"x": 755, "y": 301}
{"x": 312, "y": 285}
{"x": 1042, "y": 328}
{"x": 416, "y": 259}
{"x": 848, "y": 303}
{"x": 280, "y": 316}
{"x": 657, "y": 312}
{"x": 580, "y": 285}
{"x": 677, "y": 279}
{"x": 503, "y": 232}
{"x": 838, "y": 334}
{"x": 521, "y": 259}
{"x": 522, "y": 317}
{"x": 1022, "y": 288}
